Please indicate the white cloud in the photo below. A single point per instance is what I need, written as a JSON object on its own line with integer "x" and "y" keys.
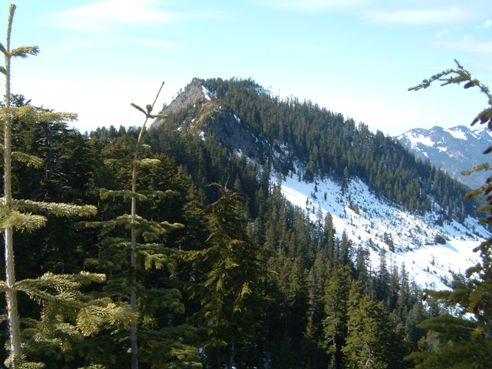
{"x": 107, "y": 15}
{"x": 310, "y": 5}
{"x": 417, "y": 16}
{"x": 486, "y": 24}
{"x": 75, "y": 45}
{"x": 468, "y": 44}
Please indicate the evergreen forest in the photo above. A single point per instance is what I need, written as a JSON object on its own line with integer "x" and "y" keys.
{"x": 150, "y": 249}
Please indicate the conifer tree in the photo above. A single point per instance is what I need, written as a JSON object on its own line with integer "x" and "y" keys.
{"x": 59, "y": 295}
{"x": 382, "y": 280}
{"x": 336, "y": 315}
{"x": 345, "y": 250}
{"x": 129, "y": 257}
{"x": 329, "y": 233}
{"x": 455, "y": 340}
{"x": 316, "y": 281}
{"x": 361, "y": 267}
{"x": 371, "y": 339}
{"x": 230, "y": 290}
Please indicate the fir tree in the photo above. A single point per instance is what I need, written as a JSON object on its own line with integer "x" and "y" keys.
{"x": 336, "y": 314}
{"x": 329, "y": 233}
{"x": 456, "y": 340}
{"x": 316, "y": 281}
{"x": 133, "y": 245}
{"x": 59, "y": 295}
{"x": 372, "y": 342}
{"x": 230, "y": 291}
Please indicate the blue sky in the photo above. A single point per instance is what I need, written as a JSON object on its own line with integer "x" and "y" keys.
{"x": 356, "y": 57}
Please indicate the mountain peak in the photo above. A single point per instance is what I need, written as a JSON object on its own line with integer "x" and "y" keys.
{"x": 200, "y": 111}
{"x": 194, "y": 92}
{"x": 452, "y": 149}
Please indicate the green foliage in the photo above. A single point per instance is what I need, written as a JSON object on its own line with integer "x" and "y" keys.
{"x": 372, "y": 341}
{"x": 288, "y": 314}
{"x": 132, "y": 246}
{"x": 230, "y": 290}
{"x": 58, "y": 295}
{"x": 336, "y": 314}
{"x": 463, "y": 339}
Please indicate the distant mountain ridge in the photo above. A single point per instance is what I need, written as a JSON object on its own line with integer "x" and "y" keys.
{"x": 451, "y": 149}
{"x": 379, "y": 195}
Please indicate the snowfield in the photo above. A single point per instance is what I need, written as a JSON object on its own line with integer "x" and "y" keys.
{"x": 431, "y": 253}
{"x": 457, "y": 133}
{"x": 416, "y": 139}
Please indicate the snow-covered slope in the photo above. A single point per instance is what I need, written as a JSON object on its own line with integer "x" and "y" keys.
{"x": 454, "y": 150}
{"x": 430, "y": 252}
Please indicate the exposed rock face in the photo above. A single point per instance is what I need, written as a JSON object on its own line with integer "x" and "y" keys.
{"x": 202, "y": 115}
{"x": 192, "y": 94}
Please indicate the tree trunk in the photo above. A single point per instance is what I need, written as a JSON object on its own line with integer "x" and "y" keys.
{"x": 10, "y": 293}
{"x": 11, "y": 297}
{"x": 133, "y": 266}
{"x": 133, "y": 247}
{"x": 232, "y": 348}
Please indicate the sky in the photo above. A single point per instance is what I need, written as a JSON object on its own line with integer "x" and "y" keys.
{"x": 355, "y": 57}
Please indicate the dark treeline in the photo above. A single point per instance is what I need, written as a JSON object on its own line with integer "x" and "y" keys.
{"x": 245, "y": 280}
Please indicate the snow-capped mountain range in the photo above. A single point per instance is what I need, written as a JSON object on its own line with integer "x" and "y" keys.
{"x": 453, "y": 150}
{"x": 430, "y": 247}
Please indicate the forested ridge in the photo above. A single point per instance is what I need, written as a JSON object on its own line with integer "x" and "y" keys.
{"x": 194, "y": 259}
{"x": 327, "y": 145}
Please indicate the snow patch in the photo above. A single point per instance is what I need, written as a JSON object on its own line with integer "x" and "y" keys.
{"x": 207, "y": 93}
{"x": 457, "y": 133}
{"x": 416, "y": 139}
{"x": 370, "y": 221}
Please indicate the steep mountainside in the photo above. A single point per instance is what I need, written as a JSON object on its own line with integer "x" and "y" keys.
{"x": 378, "y": 194}
{"x": 454, "y": 150}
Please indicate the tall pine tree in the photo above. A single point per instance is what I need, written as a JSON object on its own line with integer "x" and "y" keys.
{"x": 131, "y": 247}
{"x": 62, "y": 301}
{"x": 336, "y": 314}
{"x": 372, "y": 341}
{"x": 230, "y": 286}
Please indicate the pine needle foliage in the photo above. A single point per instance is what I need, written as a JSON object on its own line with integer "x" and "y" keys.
{"x": 60, "y": 296}
{"x": 335, "y": 322}
{"x": 371, "y": 341}
{"x": 131, "y": 247}
{"x": 230, "y": 286}
{"x": 463, "y": 339}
